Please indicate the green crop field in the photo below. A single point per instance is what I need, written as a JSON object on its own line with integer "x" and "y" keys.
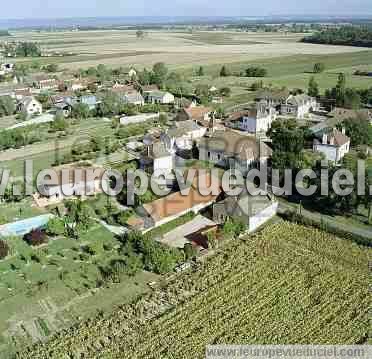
{"x": 287, "y": 284}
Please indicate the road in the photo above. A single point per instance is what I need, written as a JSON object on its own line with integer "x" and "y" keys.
{"x": 316, "y": 216}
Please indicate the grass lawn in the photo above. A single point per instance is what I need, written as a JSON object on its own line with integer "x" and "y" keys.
{"x": 10, "y": 212}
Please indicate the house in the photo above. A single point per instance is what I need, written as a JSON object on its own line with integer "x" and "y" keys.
{"x": 147, "y": 88}
{"x": 253, "y": 211}
{"x": 175, "y": 205}
{"x": 89, "y": 100}
{"x": 334, "y": 144}
{"x": 132, "y": 73}
{"x": 20, "y": 93}
{"x": 44, "y": 83}
{"x": 199, "y": 114}
{"x": 341, "y": 114}
{"x": 298, "y": 106}
{"x": 133, "y": 98}
{"x": 70, "y": 182}
{"x": 6, "y": 68}
{"x": 157, "y": 157}
{"x": 74, "y": 85}
{"x": 64, "y": 107}
{"x": 256, "y": 121}
{"x": 182, "y": 136}
{"x": 30, "y": 106}
{"x": 128, "y": 120}
{"x": 158, "y": 97}
{"x": 230, "y": 149}
{"x": 272, "y": 98}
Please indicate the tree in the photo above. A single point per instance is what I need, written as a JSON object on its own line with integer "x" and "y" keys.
{"x": 352, "y": 99}
{"x": 233, "y": 227}
{"x": 159, "y": 73}
{"x": 81, "y": 111}
{"x": 287, "y": 144}
{"x": 340, "y": 90}
{"x": 224, "y": 71}
{"x": 254, "y": 71}
{"x": 212, "y": 240}
{"x": 55, "y": 227}
{"x": 140, "y": 34}
{"x": 189, "y": 250}
{"x": 78, "y": 218}
{"x": 110, "y": 105}
{"x": 225, "y": 91}
{"x": 7, "y": 106}
{"x": 313, "y": 90}
{"x": 257, "y": 85}
{"x": 319, "y": 67}
{"x": 4, "y": 249}
{"x": 359, "y": 130}
{"x": 51, "y": 68}
{"x": 144, "y": 77}
{"x": 59, "y": 123}
{"x": 28, "y": 49}
{"x": 201, "y": 71}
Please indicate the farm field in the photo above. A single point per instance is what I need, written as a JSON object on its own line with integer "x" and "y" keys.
{"x": 286, "y": 284}
{"x": 122, "y": 48}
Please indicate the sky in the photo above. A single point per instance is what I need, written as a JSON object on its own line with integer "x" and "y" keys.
{"x": 21, "y": 9}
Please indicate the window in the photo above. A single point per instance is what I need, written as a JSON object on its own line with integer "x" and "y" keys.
{"x": 209, "y": 155}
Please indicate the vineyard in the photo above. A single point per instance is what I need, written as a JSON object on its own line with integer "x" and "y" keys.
{"x": 288, "y": 284}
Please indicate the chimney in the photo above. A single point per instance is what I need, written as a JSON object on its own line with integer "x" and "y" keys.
{"x": 325, "y": 139}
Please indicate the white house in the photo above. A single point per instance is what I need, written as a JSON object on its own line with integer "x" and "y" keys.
{"x": 157, "y": 157}
{"x": 132, "y": 73}
{"x": 233, "y": 150}
{"x": 334, "y": 145}
{"x": 298, "y": 106}
{"x": 6, "y": 68}
{"x": 255, "y": 121}
{"x": 253, "y": 211}
{"x": 128, "y": 120}
{"x": 70, "y": 182}
{"x": 133, "y": 98}
{"x": 30, "y": 106}
{"x": 181, "y": 137}
{"x": 159, "y": 97}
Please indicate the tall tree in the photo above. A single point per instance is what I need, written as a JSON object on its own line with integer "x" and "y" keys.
{"x": 318, "y": 68}
{"x": 313, "y": 88}
{"x": 340, "y": 90}
{"x": 224, "y": 71}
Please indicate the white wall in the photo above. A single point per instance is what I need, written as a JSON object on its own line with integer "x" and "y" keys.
{"x": 262, "y": 217}
{"x": 163, "y": 163}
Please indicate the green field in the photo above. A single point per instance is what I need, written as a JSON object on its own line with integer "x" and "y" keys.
{"x": 287, "y": 284}
{"x": 290, "y": 71}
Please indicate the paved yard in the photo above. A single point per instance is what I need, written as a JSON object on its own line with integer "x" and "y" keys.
{"x": 176, "y": 238}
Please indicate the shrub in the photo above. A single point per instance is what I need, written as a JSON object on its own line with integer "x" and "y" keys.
{"x": 4, "y": 249}
{"x": 55, "y": 227}
{"x": 36, "y": 237}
